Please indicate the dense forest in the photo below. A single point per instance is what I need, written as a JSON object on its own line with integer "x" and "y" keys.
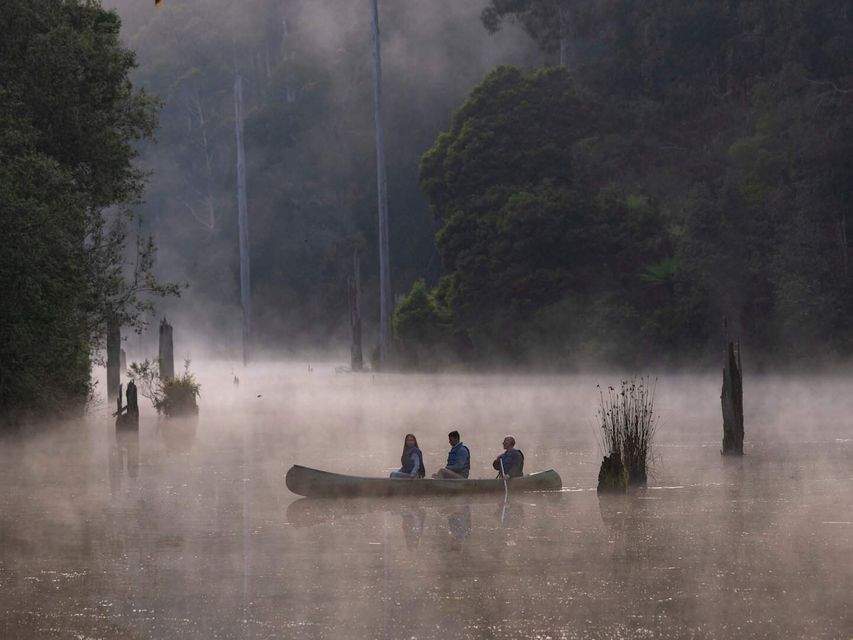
{"x": 570, "y": 181}
{"x": 690, "y": 162}
{"x": 687, "y": 162}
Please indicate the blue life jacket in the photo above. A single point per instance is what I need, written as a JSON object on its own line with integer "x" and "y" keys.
{"x": 513, "y": 462}
{"x": 459, "y": 459}
{"x": 408, "y": 465}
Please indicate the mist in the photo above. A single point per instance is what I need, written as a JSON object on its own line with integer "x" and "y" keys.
{"x": 644, "y": 204}
{"x": 184, "y": 529}
{"x": 309, "y": 148}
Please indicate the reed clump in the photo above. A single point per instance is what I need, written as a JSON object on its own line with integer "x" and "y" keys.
{"x": 627, "y": 422}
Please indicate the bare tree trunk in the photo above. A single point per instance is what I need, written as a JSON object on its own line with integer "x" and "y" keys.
{"x": 564, "y": 33}
{"x": 205, "y": 145}
{"x": 382, "y": 193}
{"x": 356, "y": 357}
{"x": 732, "y": 400}
{"x": 242, "y": 217}
{"x": 113, "y": 358}
{"x": 166, "y": 356}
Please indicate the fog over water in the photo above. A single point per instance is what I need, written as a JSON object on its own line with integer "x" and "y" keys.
{"x": 186, "y": 529}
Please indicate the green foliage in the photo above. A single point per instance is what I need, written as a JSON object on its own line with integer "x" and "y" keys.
{"x": 180, "y": 394}
{"x": 69, "y": 121}
{"x": 173, "y": 396}
{"x": 527, "y": 221}
{"x": 423, "y": 329}
{"x": 736, "y": 122}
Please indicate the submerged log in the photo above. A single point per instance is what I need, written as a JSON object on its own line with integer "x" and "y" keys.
{"x": 113, "y": 359}
{"x": 166, "y": 358}
{"x": 356, "y": 355}
{"x": 731, "y": 399}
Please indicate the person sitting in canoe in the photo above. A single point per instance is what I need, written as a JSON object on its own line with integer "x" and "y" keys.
{"x": 412, "y": 460}
{"x": 458, "y": 460}
{"x": 512, "y": 459}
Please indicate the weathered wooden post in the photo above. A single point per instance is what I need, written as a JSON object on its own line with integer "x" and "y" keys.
{"x": 113, "y": 358}
{"x": 356, "y": 357}
{"x": 167, "y": 351}
{"x": 732, "y": 400}
{"x": 132, "y": 401}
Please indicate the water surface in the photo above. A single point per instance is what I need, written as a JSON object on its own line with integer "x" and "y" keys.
{"x": 186, "y": 530}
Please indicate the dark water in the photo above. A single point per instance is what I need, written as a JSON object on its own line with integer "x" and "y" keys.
{"x": 186, "y": 530}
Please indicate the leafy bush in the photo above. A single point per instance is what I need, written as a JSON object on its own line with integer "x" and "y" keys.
{"x": 172, "y": 396}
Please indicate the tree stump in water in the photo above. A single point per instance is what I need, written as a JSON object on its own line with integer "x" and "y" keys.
{"x": 113, "y": 359}
{"x": 731, "y": 398}
{"x": 127, "y": 417}
{"x": 612, "y": 476}
{"x": 167, "y": 351}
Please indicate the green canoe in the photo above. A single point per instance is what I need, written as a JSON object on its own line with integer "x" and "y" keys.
{"x": 314, "y": 483}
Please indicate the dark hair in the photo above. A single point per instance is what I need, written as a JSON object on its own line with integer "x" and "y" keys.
{"x": 406, "y": 450}
{"x": 454, "y": 434}
{"x": 407, "y": 437}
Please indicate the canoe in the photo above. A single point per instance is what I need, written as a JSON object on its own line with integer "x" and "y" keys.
{"x": 314, "y": 483}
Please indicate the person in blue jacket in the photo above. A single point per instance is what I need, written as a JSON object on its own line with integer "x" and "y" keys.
{"x": 458, "y": 459}
{"x": 511, "y": 459}
{"x": 412, "y": 460}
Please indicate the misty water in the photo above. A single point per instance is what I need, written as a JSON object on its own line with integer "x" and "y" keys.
{"x": 186, "y": 529}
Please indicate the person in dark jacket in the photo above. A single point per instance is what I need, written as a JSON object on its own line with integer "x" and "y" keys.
{"x": 512, "y": 459}
{"x": 412, "y": 460}
{"x": 458, "y": 459}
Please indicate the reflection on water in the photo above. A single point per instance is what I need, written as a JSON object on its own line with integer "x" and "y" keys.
{"x": 124, "y": 455}
{"x": 192, "y": 534}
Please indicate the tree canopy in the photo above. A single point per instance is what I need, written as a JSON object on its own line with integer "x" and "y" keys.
{"x": 702, "y": 172}
{"x": 69, "y": 120}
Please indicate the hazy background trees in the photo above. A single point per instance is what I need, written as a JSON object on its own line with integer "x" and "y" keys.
{"x": 689, "y": 161}
{"x": 310, "y": 151}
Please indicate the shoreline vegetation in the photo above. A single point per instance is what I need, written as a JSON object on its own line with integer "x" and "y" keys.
{"x": 590, "y": 201}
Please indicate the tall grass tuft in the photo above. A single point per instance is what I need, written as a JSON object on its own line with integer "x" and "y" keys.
{"x": 627, "y": 422}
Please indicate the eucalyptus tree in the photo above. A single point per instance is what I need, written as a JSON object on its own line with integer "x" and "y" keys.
{"x": 385, "y": 298}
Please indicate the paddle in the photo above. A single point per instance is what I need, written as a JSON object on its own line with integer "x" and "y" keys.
{"x": 506, "y": 491}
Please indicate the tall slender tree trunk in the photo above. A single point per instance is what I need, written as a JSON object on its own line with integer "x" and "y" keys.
{"x": 382, "y": 194}
{"x": 208, "y": 165}
{"x": 113, "y": 359}
{"x": 242, "y": 218}
{"x": 356, "y": 356}
{"x": 565, "y": 20}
